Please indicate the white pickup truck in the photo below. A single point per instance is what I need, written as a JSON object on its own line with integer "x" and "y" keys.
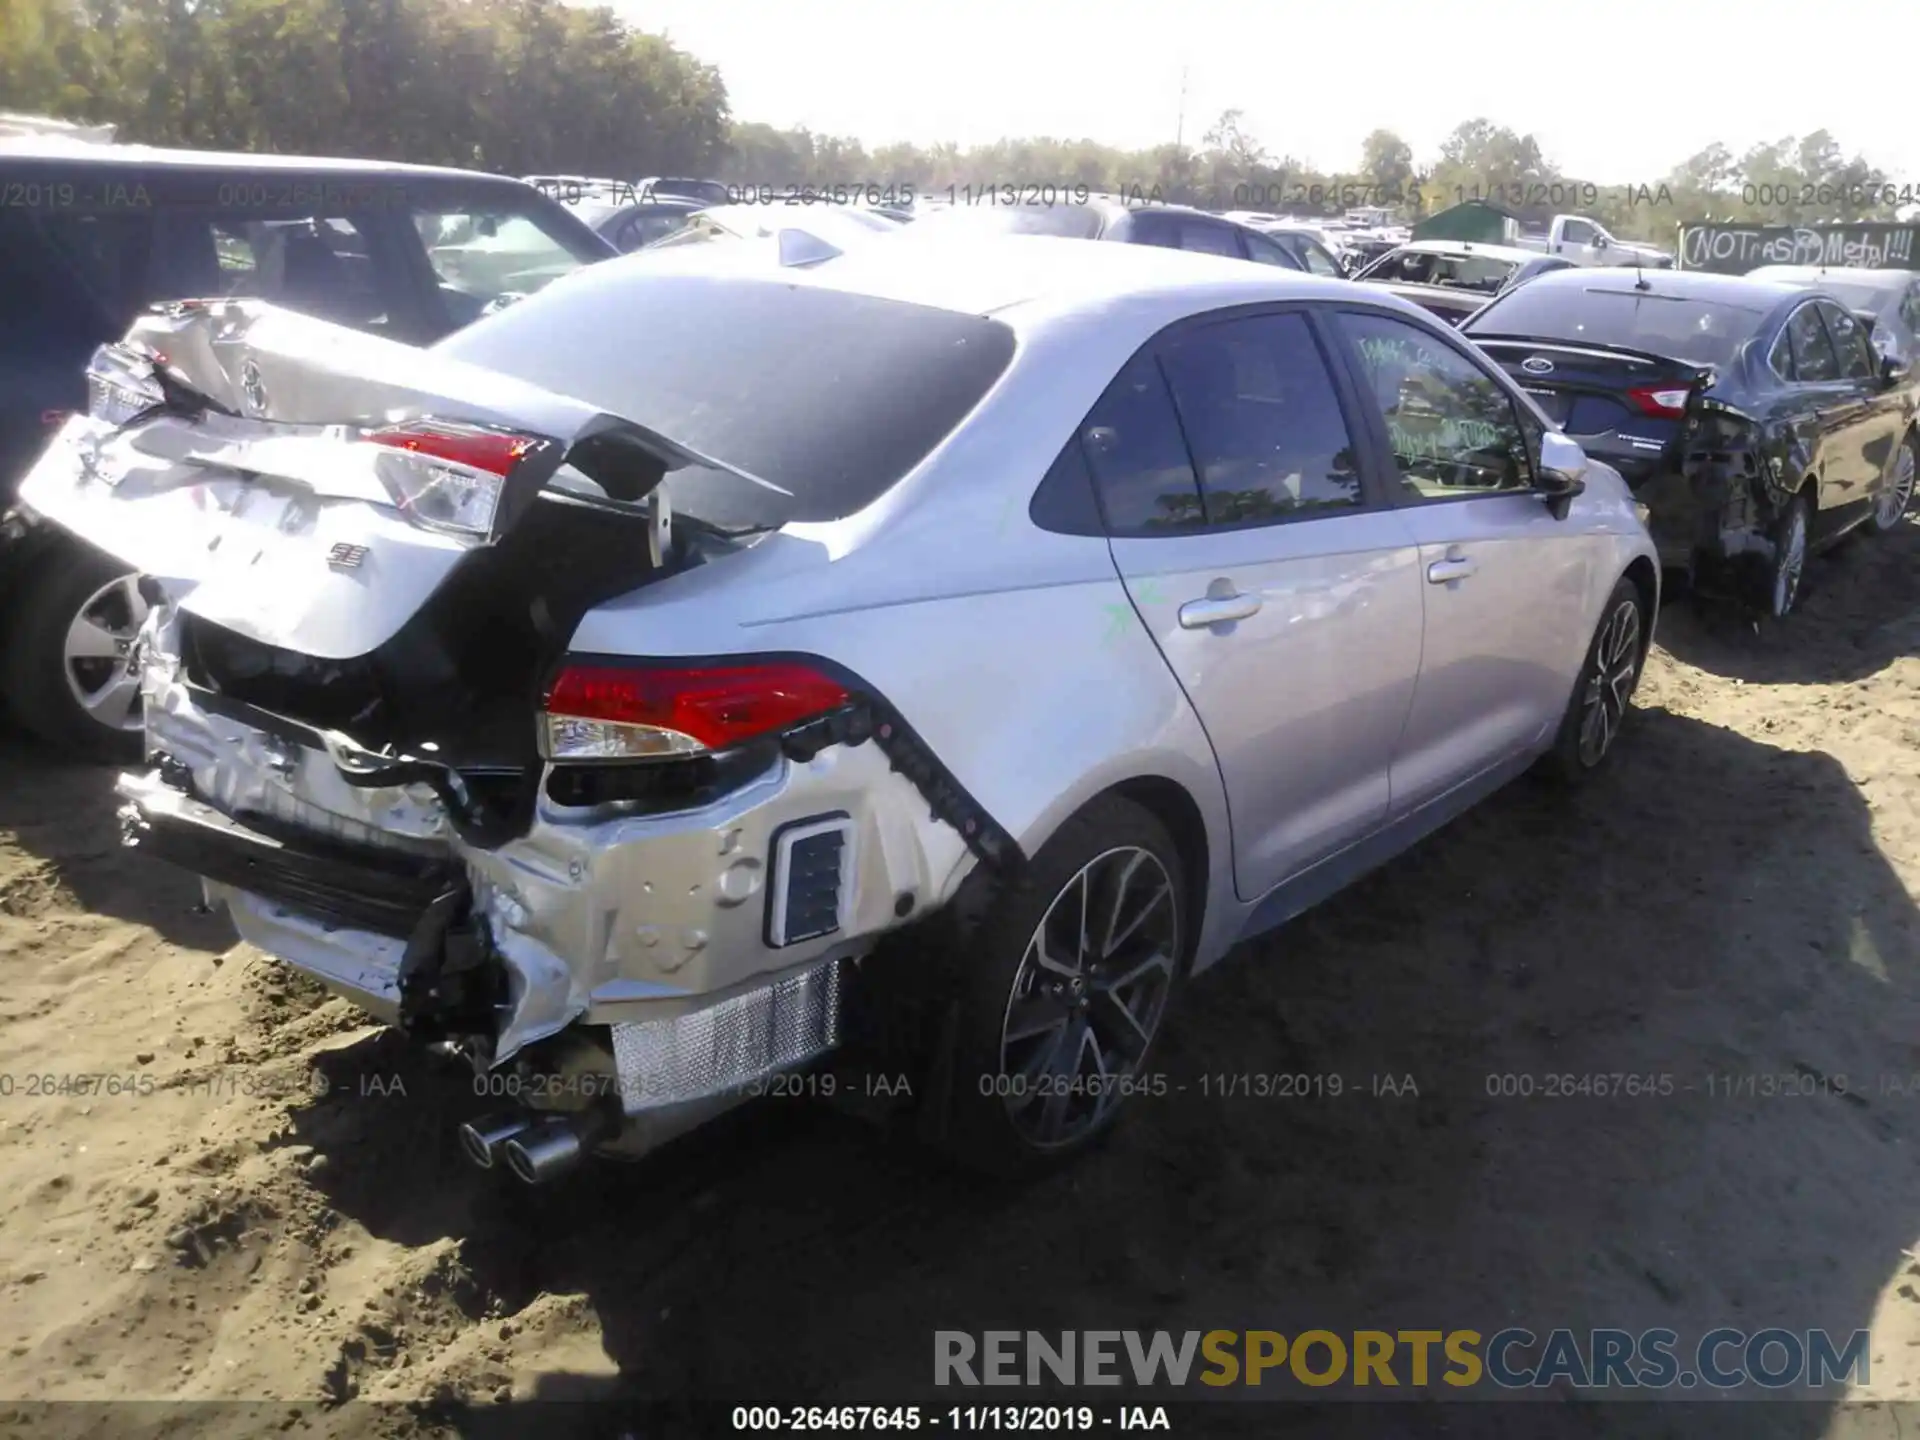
{"x": 1587, "y": 242}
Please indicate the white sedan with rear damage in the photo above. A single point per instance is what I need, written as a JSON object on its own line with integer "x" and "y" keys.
{"x": 696, "y": 672}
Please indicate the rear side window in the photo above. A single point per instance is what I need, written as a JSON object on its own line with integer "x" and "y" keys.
{"x": 1139, "y": 459}
{"x": 1849, "y": 338}
{"x": 1814, "y": 362}
{"x": 1263, "y": 420}
{"x": 1268, "y": 252}
{"x": 830, "y": 396}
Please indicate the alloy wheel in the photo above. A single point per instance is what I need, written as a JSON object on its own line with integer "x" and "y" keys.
{"x": 1898, "y": 495}
{"x": 1089, "y": 996}
{"x": 1791, "y": 561}
{"x": 99, "y": 660}
{"x": 1616, "y": 665}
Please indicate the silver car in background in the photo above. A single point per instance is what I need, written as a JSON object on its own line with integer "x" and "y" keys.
{"x": 936, "y": 656}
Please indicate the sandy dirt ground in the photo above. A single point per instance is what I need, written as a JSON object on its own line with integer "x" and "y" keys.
{"x": 271, "y": 1205}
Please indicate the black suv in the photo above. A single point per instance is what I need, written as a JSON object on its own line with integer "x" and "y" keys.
{"x": 90, "y": 235}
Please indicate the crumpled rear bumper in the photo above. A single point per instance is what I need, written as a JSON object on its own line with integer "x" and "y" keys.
{"x": 668, "y": 929}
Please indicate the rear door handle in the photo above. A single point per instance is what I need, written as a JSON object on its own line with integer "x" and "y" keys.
{"x": 1454, "y": 567}
{"x": 1216, "y": 609}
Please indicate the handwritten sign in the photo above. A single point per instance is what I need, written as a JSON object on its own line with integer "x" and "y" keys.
{"x": 1736, "y": 249}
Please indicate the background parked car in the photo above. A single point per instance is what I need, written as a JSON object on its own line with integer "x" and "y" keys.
{"x": 408, "y": 252}
{"x": 1453, "y": 279}
{"x": 1581, "y": 241}
{"x": 1752, "y": 417}
{"x": 1171, "y": 227}
{"x": 707, "y": 192}
{"x": 795, "y": 234}
{"x": 1309, "y": 247}
{"x": 628, "y": 224}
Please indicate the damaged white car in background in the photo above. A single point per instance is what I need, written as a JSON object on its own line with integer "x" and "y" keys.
{"x": 690, "y": 673}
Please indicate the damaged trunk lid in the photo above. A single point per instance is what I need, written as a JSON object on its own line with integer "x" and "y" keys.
{"x": 1627, "y": 407}
{"x": 312, "y": 487}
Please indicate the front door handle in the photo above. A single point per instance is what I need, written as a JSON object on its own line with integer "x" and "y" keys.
{"x": 1455, "y": 567}
{"x": 1217, "y": 609}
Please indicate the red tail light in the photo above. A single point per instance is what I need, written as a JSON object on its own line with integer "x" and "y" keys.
{"x": 603, "y": 712}
{"x": 495, "y": 452}
{"x": 54, "y": 419}
{"x": 1667, "y": 402}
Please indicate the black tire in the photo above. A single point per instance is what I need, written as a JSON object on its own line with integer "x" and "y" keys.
{"x": 1786, "y": 572}
{"x": 1603, "y": 695}
{"x": 33, "y": 661}
{"x": 993, "y": 1114}
{"x": 1902, "y": 480}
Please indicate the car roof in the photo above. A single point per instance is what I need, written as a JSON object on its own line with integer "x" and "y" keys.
{"x": 1471, "y": 248}
{"x": 63, "y": 151}
{"x": 1889, "y": 279}
{"x": 1001, "y": 274}
{"x": 1741, "y": 290}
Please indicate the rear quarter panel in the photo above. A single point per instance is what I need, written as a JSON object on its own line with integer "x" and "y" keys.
{"x": 1014, "y": 652}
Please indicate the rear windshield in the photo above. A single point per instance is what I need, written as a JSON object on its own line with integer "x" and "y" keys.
{"x": 1706, "y": 332}
{"x": 832, "y": 396}
{"x": 1076, "y": 222}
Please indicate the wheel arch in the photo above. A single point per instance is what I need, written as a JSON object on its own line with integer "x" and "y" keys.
{"x": 1645, "y": 577}
{"x": 1169, "y": 802}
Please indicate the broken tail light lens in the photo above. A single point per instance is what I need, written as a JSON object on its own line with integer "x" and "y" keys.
{"x": 622, "y": 712}
{"x": 1666, "y": 402}
{"x": 446, "y": 476}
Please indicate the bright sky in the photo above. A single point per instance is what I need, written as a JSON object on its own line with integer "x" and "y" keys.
{"x": 1615, "y": 90}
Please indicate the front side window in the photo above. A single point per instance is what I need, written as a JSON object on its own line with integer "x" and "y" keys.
{"x": 1209, "y": 239}
{"x": 1453, "y": 429}
{"x": 1317, "y": 260}
{"x": 1849, "y": 337}
{"x": 1578, "y": 232}
{"x": 1814, "y": 362}
{"x": 1262, "y": 420}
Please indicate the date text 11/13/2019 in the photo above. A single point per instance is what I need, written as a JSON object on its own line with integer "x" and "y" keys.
{"x": 959, "y": 1419}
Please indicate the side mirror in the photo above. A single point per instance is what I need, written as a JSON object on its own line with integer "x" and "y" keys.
{"x": 1561, "y": 473}
{"x": 1601, "y": 242}
{"x": 1894, "y": 371}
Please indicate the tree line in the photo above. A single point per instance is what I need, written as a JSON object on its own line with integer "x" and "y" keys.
{"x": 539, "y": 86}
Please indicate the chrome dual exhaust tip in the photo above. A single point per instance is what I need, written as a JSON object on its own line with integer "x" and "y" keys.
{"x": 482, "y": 1139}
{"x": 551, "y": 1147}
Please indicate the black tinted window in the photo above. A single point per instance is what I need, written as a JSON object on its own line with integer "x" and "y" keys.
{"x": 1140, "y": 463}
{"x": 1263, "y": 420}
{"x": 1813, "y": 359}
{"x": 1704, "y": 331}
{"x": 1269, "y": 252}
{"x": 1850, "y": 344}
{"x": 832, "y": 396}
{"x": 1454, "y": 430}
{"x": 1209, "y": 239}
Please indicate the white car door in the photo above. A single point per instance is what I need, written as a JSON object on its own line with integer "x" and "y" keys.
{"x": 1505, "y": 582}
{"x": 1281, "y": 586}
